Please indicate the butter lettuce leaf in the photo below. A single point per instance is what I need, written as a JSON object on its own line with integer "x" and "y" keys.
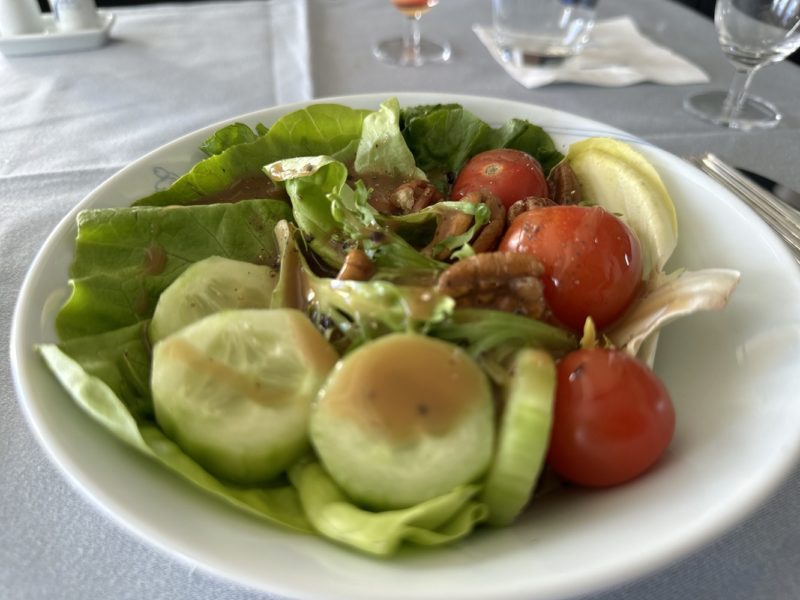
{"x": 228, "y": 136}
{"x": 437, "y": 521}
{"x": 382, "y": 150}
{"x": 125, "y": 257}
{"x": 121, "y": 359}
{"x": 317, "y": 129}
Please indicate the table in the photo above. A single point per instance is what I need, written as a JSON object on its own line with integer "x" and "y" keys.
{"x": 173, "y": 68}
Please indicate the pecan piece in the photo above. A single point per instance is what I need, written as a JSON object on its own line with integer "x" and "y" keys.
{"x": 413, "y": 196}
{"x": 564, "y": 185}
{"x": 490, "y": 234}
{"x": 524, "y": 205}
{"x": 357, "y": 266}
{"x": 456, "y": 222}
{"x": 507, "y": 281}
{"x": 452, "y": 222}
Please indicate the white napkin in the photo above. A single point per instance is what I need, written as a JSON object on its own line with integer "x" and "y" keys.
{"x": 617, "y": 55}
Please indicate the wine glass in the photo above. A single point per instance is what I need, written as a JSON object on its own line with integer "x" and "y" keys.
{"x": 412, "y": 50}
{"x": 752, "y": 34}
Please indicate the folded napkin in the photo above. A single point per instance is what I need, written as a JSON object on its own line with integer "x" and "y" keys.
{"x": 617, "y": 55}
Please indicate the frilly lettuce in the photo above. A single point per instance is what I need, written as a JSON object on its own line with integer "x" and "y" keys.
{"x": 336, "y": 218}
{"x": 352, "y": 312}
{"x": 493, "y": 337}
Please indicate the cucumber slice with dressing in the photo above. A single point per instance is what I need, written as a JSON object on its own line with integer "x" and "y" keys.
{"x": 402, "y": 420}
{"x": 523, "y": 436}
{"x": 208, "y": 286}
{"x": 234, "y": 390}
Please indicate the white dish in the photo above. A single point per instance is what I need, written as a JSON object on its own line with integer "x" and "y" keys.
{"x": 52, "y": 41}
{"x": 732, "y": 375}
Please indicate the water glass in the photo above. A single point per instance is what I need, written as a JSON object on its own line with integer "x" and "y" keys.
{"x": 542, "y": 31}
{"x": 752, "y": 35}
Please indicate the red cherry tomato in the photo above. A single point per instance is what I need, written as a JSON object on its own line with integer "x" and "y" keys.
{"x": 592, "y": 261}
{"x": 508, "y": 174}
{"x": 613, "y": 418}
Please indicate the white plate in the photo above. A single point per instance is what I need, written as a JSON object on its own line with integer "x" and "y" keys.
{"x": 732, "y": 375}
{"x": 52, "y": 41}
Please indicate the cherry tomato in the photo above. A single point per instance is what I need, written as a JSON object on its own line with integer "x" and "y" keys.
{"x": 508, "y": 174}
{"x": 613, "y": 418}
{"x": 592, "y": 261}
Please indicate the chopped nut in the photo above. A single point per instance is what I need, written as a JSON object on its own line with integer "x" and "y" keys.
{"x": 490, "y": 234}
{"x": 456, "y": 222}
{"x": 452, "y": 222}
{"x": 413, "y": 196}
{"x": 357, "y": 266}
{"x": 564, "y": 185}
{"x": 507, "y": 281}
{"x": 524, "y": 205}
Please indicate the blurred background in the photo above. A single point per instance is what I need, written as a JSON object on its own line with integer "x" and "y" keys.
{"x": 704, "y": 6}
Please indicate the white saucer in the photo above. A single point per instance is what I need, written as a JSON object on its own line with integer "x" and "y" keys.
{"x": 52, "y": 41}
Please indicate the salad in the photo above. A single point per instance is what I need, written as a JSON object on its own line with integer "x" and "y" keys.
{"x": 387, "y": 326}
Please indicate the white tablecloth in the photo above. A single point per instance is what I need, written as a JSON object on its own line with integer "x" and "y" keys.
{"x": 69, "y": 121}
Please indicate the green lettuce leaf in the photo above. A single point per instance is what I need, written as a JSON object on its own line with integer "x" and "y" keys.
{"x": 125, "y": 257}
{"x": 348, "y": 312}
{"x": 228, "y": 136}
{"x": 493, "y": 337}
{"x": 522, "y": 135}
{"x": 336, "y": 218}
{"x": 382, "y": 149}
{"x": 317, "y": 129}
{"x": 278, "y": 504}
{"x": 434, "y": 522}
{"x": 443, "y": 137}
{"x": 121, "y": 359}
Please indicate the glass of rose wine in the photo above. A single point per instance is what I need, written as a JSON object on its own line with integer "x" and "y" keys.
{"x": 412, "y": 50}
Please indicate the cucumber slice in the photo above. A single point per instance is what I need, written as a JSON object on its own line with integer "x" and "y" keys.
{"x": 234, "y": 390}
{"x": 404, "y": 419}
{"x": 523, "y": 436}
{"x": 208, "y": 286}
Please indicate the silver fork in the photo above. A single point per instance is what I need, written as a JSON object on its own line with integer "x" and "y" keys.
{"x": 784, "y": 220}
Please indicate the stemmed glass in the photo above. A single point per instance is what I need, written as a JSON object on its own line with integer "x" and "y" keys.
{"x": 752, "y": 34}
{"x": 412, "y": 50}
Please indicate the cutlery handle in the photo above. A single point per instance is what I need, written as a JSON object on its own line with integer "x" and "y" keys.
{"x": 783, "y": 220}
